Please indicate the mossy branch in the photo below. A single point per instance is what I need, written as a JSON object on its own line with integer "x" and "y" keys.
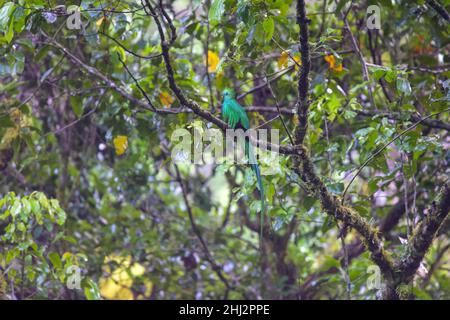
{"x": 423, "y": 235}
{"x": 303, "y": 82}
{"x": 333, "y": 207}
{"x": 303, "y": 164}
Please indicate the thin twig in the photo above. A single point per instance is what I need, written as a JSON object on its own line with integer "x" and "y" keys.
{"x": 362, "y": 61}
{"x": 191, "y": 104}
{"x": 263, "y": 85}
{"x": 287, "y": 51}
{"x": 137, "y": 83}
{"x": 346, "y": 261}
{"x": 217, "y": 269}
{"x": 387, "y": 145}
{"x": 279, "y": 112}
{"x": 208, "y": 76}
{"x": 128, "y": 50}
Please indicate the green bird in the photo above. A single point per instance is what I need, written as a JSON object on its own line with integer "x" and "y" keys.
{"x": 237, "y": 118}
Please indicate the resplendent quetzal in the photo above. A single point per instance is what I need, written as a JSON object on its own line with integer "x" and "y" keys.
{"x": 237, "y": 118}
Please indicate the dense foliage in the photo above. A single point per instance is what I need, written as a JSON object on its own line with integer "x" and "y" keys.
{"x": 92, "y": 91}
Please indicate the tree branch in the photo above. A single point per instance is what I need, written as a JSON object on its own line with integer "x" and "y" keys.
{"x": 373, "y": 156}
{"x": 304, "y": 168}
{"x": 426, "y": 121}
{"x": 191, "y": 105}
{"x": 216, "y": 268}
{"x": 165, "y": 46}
{"x": 128, "y": 50}
{"x": 303, "y": 82}
{"x": 439, "y": 9}
{"x": 362, "y": 61}
{"x": 332, "y": 206}
{"x": 423, "y": 235}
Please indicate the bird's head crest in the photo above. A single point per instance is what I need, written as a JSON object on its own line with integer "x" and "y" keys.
{"x": 228, "y": 93}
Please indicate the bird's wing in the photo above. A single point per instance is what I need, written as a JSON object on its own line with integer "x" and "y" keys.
{"x": 240, "y": 113}
{"x": 228, "y": 113}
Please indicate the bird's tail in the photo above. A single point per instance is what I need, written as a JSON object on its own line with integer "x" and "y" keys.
{"x": 254, "y": 165}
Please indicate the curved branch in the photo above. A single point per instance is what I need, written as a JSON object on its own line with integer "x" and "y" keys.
{"x": 439, "y": 9}
{"x": 217, "y": 268}
{"x": 128, "y": 50}
{"x": 304, "y": 168}
{"x": 424, "y": 234}
{"x": 165, "y": 46}
{"x": 333, "y": 207}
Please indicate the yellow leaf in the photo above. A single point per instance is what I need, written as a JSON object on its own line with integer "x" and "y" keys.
{"x": 283, "y": 60}
{"x": 100, "y": 21}
{"x": 220, "y": 83}
{"x": 298, "y": 62}
{"x": 148, "y": 287}
{"x": 338, "y": 68}
{"x": 20, "y": 121}
{"x": 118, "y": 259}
{"x": 121, "y": 277}
{"x": 9, "y": 135}
{"x": 120, "y": 144}
{"x": 213, "y": 61}
{"x": 332, "y": 63}
{"x": 137, "y": 269}
{"x": 113, "y": 290}
{"x": 331, "y": 60}
{"x": 165, "y": 99}
{"x": 15, "y": 113}
{"x": 118, "y": 283}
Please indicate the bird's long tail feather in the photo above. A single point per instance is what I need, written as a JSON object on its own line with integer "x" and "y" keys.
{"x": 254, "y": 165}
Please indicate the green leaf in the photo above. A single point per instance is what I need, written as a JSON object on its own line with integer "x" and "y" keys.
{"x": 35, "y": 207}
{"x": 378, "y": 74}
{"x": 42, "y": 53}
{"x": 61, "y": 217}
{"x": 337, "y": 187}
{"x": 216, "y": 11}
{"x": 12, "y": 254}
{"x": 91, "y": 290}
{"x": 403, "y": 86}
{"x": 21, "y": 227}
{"x": 43, "y": 201}
{"x": 269, "y": 28}
{"x": 10, "y": 34}
{"x": 259, "y": 33}
{"x": 77, "y": 105}
{"x": 390, "y": 76}
{"x": 341, "y": 5}
{"x": 55, "y": 259}
{"x": 16, "y": 207}
{"x": 5, "y": 121}
{"x": 330, "y": 262}
{"x": 5, "y": 14}
{"x": 26, "y": 206}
